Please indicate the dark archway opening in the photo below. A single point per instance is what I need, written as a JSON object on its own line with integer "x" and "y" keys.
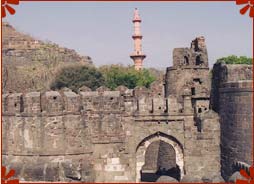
{"x": 186, "y": 60}
{"x": 193, "y": 92}
{"x": 198, "y": 60}
{"x": 160, "y": 160}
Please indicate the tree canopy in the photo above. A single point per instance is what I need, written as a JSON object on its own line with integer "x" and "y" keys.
{"x": 116, "y": 75}
{"x": 75, "y": 77}
{"x": 235, "y": 60}
{"x": 111, "y": 76}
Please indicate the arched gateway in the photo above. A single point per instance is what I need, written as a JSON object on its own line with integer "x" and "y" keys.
{"x": 159, "y": 154}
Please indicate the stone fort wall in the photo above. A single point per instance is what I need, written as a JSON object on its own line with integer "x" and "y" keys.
{"x": 103, "y": 135}
{"x": 232, "y": 97}
{"x": 111, "y": 136}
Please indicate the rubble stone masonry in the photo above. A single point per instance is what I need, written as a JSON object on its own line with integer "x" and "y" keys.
{"x": 131, "y": 135}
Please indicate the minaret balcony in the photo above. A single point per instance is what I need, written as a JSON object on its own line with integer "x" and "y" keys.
{"x": 137, "y": 36}
{"x": 134, "y": 56}
{"x": 136, "y": 20}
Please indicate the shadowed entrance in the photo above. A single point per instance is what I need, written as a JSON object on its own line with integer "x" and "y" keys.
{"x": 159, "y": 155}
{"x": 160, "y": 160}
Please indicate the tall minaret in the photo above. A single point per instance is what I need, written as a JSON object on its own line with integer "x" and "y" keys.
{"x": 137, "y": 56}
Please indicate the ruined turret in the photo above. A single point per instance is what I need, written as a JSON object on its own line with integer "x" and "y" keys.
{"x": 190, "y": 68}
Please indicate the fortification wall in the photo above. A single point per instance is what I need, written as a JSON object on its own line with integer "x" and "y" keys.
{"x": 49, "y": 136}
{"x": 197, "y": 80}
{"x": 236, "y": 124}
{"x": 223, "y": 73}
{"x": 96, "y": 135}
{"x": 231, "y": 97}
{"x": 104, "y": 136}
{"x": 202, "y": 148}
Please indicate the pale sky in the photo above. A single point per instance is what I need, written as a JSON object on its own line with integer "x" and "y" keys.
{"x": 102, "y": 30}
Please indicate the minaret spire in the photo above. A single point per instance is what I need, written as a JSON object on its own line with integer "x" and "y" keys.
{"x": 137, "y": 56}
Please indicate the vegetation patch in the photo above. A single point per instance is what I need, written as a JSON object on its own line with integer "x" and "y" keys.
{"x": 75, "y": 77}
{"x": 235, "y": 60}
{"x": 116, "y": 75}
{"x": 111, "y": 76}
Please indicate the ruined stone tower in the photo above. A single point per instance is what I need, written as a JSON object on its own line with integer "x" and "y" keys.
{"x": 137, "y": 55}
{"x": 190, "y": 72}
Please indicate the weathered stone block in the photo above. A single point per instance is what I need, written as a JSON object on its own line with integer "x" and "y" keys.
{"x": 52, "y": 102}
{"x": 32, "y": 103}
{"x": 71, "y": 102}
{"x": 15, "y": 103}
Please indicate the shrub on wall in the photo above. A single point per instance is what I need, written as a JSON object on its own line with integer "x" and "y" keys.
{"x": 235, "y": 60}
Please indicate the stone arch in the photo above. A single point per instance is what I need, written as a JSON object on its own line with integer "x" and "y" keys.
{"x": 146, "y": 142}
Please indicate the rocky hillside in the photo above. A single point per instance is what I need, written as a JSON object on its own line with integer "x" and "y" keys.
{"x": 30, "y": 64}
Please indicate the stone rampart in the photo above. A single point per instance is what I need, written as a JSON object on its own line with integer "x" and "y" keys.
{"x": 235, "y": 111}
{"x": 94, "y": 135}
{"x": 109, "y": 136}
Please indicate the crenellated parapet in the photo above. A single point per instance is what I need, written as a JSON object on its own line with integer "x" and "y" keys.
{"x": 140, "y": 100}
{"x": 37, "y": 103}
{"x": 58, "y": 103}
{"x": 158, "y": 106}
{"x": 143, "y": 101}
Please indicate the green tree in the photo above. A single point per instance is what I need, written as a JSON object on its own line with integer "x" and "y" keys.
{"x": 75, "y": 77}
{"x": 235, "y": 60}
{"x": 116, "y": 75}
